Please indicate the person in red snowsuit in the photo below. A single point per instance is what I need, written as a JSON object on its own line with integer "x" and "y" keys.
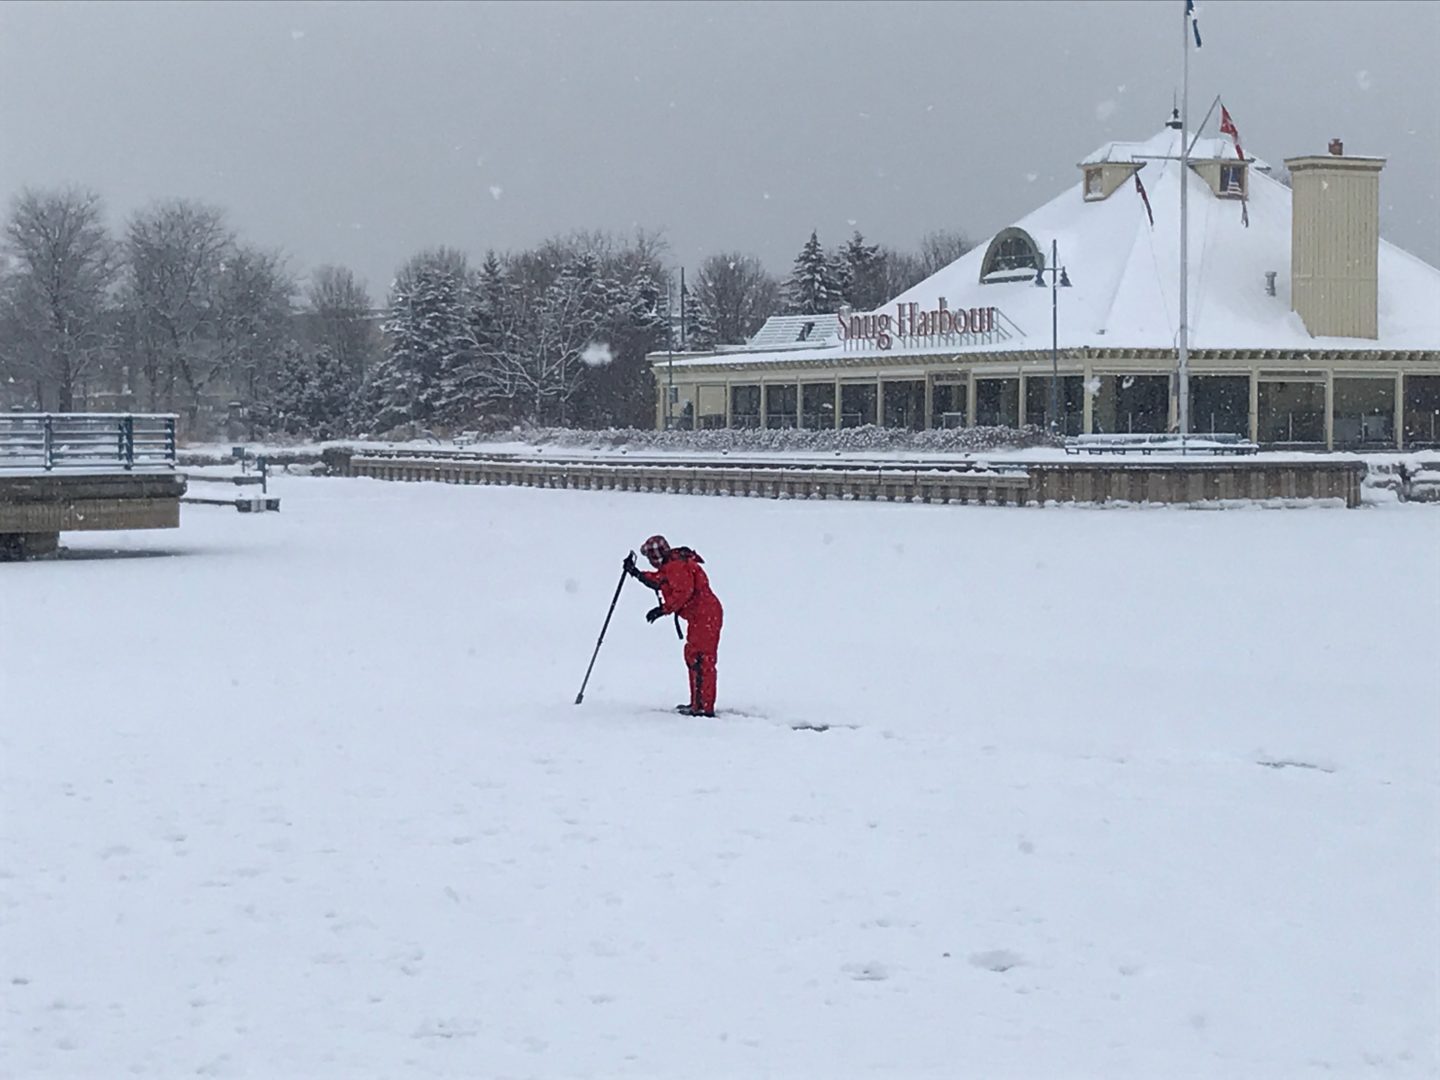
{"x": 684, "y": 590}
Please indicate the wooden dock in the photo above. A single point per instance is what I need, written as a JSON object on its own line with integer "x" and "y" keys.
{"x": 1022, "y": 483}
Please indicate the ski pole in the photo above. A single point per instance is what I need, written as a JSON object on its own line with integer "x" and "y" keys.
{"x": 613, "y": 600}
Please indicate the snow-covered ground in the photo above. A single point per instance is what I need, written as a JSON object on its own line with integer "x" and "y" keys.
{"x": 1106, "y": 793}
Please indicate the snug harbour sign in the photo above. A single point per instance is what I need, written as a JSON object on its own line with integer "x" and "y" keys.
{"x": 912, "y": 327}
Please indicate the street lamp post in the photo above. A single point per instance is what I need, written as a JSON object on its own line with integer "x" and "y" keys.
{"x": 1058, "y": 280}
{"x": 669, "y": 364}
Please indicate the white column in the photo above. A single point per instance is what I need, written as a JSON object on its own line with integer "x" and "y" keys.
{"x": 1399, "y": 411}
{"x": 1330, "y": 409}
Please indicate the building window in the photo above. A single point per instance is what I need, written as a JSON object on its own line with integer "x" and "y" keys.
{"x": 1292, "y": 413}
{"x": 1131, "y": 405}
{"x": 745, "y": 406}
{"x": 997, "y": 403}
{"x": 1070, "y": 397}
{"x": 1011, "y": 256}
{"x": 857, "y": 405}
{"x": 1220, "y": 405}
{"x": 1364, "y": 414}
{"x": 903, "y": 404}
{"x": 817, "y": 406}
{"x": 781, "y": 404}
{"x": 710, "y": 410}
{"x": 1232, "y": 180}
{"x": 1094, "y": 183}
{"x": 948, "y": 401}
{"x": 1422, "y": 410}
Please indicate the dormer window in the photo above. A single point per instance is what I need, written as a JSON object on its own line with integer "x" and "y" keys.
{"x": 1227, "y": 178}
{"x": 1011, "y": 256}
{"x": 1103, "y": 178}
{"x": 1232, "y": 180}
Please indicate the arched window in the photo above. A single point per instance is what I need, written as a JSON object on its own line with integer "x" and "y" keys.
{"x": 1011, "y": 256}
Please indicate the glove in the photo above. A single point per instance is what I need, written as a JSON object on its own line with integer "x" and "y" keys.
{"x": 654, "y": 613}
{"x": 629, "y": 565}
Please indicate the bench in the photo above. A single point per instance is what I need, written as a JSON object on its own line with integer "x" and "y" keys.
{"x": 246, "y": 504}
{"x": 240, "y": 502}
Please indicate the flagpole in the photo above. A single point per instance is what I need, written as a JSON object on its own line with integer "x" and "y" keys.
{"x": 1183, "y": 380}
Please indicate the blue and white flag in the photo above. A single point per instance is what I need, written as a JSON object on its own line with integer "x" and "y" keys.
{"x": 1194, "y": 22}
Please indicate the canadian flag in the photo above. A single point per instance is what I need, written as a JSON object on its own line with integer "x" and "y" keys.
{"x": 1227, "y": 127}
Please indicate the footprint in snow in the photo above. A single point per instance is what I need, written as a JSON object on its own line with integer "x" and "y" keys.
{"x": 996, "y": 960}
{"x": 872, "y": 971}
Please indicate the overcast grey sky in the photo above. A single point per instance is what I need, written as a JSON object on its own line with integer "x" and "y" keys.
{"x": 359, "y": 133}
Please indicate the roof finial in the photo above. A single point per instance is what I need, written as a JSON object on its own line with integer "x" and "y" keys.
{"x": 1174, "y": 122}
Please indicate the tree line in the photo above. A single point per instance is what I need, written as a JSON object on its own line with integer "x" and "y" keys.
{"x": 177, "y": 313}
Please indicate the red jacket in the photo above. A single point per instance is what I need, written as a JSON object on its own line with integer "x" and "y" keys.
{"x": 685, "y": 588}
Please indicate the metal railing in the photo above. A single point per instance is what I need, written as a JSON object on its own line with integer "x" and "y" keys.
{"x": 78, "y": 442}
{"x": 1222, "y": 442}
{"x": 759, "y": 460}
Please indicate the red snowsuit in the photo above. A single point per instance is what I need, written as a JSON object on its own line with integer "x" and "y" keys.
{"x": 685, "y": 591}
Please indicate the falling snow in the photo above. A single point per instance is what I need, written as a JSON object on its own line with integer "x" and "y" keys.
{"x": 597, "y": 354}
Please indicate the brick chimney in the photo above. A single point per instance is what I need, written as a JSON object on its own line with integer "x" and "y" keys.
{"x": 1335, "y": 242}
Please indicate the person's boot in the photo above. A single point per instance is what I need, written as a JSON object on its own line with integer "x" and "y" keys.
{"x": 685, "y": 710}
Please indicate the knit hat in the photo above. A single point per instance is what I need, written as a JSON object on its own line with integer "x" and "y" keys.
{"x": 655, "y": 549}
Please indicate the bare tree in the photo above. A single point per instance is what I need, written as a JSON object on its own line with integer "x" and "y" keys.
{"x": 901, "y": 270}
{"x": 535, "y": 353}
{"x": 252, "y": 321}
{"x": 940, "y": 248}
{"x": 738, "y": 294}
{"x": 208, "y": 315}
{"x": 174, "y": 253}
{"x": 343, "y": 319}
{"x": 61, "y": 269}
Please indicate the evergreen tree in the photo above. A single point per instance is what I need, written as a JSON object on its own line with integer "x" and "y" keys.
{"x": 864, "y": 274}
{"x": 841, "y": 278}
{"x": 812, "y": 289}
{"x": 329, "y": 407}
{"x": 490, "y": 292}
{"x": 701, "y": 333}
{"x": 429, "y": 344}
{"x": 312, "y": 393}
{"x": 285, "y": 406}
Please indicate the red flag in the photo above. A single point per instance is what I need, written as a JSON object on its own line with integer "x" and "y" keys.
{"x": 1141, "y": 189}
{"x": 1227, "y": 127}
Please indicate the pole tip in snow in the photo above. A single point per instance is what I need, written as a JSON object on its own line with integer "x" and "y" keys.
{"x": 579, "y": 698}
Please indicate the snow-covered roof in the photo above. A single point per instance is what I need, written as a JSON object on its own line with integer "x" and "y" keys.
{"x": 795, "y": 331}
{"x": 1126, "y": 281}
{"x": 1165, "y": 144}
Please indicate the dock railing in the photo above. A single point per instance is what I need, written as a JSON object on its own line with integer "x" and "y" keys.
{"x": 87, "y": 442}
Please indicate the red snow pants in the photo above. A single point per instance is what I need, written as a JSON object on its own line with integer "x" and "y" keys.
{"x": 702, "y": 639}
